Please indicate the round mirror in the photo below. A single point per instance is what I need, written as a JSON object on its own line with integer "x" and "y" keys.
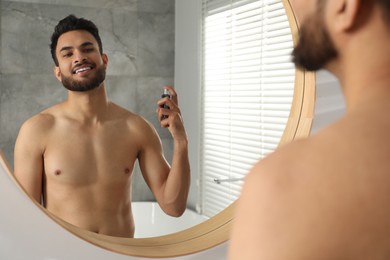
{"x": 214, "y": 230}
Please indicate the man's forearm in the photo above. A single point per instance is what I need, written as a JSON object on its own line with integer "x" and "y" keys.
{"x": 178, "y": 182}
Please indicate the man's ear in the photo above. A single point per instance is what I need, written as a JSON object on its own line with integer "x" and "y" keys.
{"x": 57, "y": 73}
{"x": 346, "y": 14}
{"x": 105, "y": 59}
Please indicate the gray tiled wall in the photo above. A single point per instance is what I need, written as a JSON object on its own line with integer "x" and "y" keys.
{"x": 137, "y": 35}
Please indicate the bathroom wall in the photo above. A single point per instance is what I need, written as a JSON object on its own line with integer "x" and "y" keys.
{"x": 138, "y": 37}
{"x": 188, "y": 82}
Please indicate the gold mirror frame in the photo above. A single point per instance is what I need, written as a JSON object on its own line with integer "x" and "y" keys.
{"x": 215, "y": 230}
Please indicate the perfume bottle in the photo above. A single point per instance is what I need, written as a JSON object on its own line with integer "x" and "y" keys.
{"x": 165, "y": 94}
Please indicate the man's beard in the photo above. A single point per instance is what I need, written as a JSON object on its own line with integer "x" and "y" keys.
{"x": 86, "y": 84}
{"x": 315, "y": 48}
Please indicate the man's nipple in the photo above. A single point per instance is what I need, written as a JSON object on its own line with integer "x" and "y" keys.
{"x": 127, "y": 171}
{"x": 57, "y": 172}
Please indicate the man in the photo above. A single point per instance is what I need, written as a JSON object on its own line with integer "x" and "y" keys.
{"x": 77, "y": 156}
{"x": 328, "y": 196}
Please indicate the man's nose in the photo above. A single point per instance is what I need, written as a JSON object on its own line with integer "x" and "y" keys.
{"x": 79, "y": 57}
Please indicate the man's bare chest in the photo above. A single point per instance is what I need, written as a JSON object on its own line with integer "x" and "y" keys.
{"x": 83, "y": 157}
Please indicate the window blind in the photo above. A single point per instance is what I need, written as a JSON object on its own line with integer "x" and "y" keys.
{"x": 248, "y": 84}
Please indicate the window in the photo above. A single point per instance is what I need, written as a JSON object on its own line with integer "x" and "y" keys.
{"x": 248, "y": 88}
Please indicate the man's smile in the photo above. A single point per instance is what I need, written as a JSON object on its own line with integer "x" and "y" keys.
{"x": 81, "y": 69}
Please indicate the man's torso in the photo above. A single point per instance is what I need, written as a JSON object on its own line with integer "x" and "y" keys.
{"x": 87, "y": 172}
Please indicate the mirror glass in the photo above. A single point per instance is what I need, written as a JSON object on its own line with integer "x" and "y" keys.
{"x": 138, "y": 37}
{"x": 248, "y": 89}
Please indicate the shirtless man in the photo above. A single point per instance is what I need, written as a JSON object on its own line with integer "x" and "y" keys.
{"x": 77, "y": 156}
{"x": 328, "y": 196}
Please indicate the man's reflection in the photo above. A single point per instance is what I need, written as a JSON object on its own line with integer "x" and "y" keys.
{"x": 77, "y": 156}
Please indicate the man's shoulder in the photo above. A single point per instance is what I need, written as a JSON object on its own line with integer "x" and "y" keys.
{"x": 128, "y": 115}
{"x": 133, "y": 120}
{"x": 123, "y": 113}
{"x": 35, "y": 129}
{"x": 39, "y": 122}
{"x": 314, "y": 184}
{"x": 282, "y": 165}
{"x": 302, "y": 160}
{"x": 42, "y": 122}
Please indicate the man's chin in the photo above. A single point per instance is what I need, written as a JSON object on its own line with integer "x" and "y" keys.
{"x": 80, "y": 87}
{"x": 76, "y": 89}
{"x": 85, "y": 84}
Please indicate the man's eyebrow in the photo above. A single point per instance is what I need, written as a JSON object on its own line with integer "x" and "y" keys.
{"x": 66, "y": 48}
{"x": 84, "y": 44}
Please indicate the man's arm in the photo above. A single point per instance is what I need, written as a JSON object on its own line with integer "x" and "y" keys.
{"x": 28, "y": 157}
{"x": 170, "y": 185}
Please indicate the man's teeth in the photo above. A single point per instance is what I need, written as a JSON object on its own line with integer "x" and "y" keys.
{"x": 82, "y": 69}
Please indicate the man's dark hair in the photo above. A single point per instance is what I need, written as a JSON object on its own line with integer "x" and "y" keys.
{"x": 72, "y": 23}
{"x": 385, "y": 4}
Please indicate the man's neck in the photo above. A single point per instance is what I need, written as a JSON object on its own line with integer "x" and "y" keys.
{"x": 88, "y": 107}
{"x": 363, "y": 67}
{"x": 366, "y": 78}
